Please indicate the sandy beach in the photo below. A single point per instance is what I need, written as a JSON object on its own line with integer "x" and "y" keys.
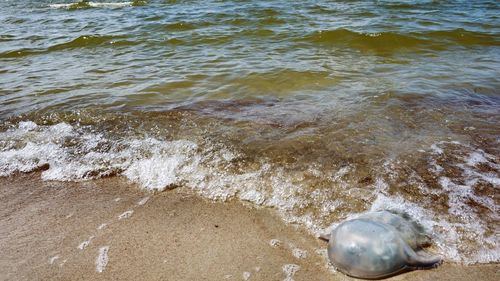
{"x": 215, "y": 140}
{"x": 71, "y": 231}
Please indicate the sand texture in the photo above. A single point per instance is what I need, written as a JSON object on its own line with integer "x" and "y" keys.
{"x": 111, "y": 230}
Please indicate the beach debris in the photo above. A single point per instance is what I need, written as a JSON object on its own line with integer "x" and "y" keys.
{"x": 275, "y": 243}
{"x": 126, "y": 215}
{"x": 102, "y": 226}
{"x": 117, "y": 199}
{"x": 102, "y": 259}
{"x": 85, "y": 243}
{"x": 378, "y": 245}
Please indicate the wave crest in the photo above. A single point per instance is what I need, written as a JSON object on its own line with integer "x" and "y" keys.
{"x": 393, "y": 41}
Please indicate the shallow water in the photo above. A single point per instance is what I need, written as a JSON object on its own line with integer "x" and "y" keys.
{"x": 320, "y": 109}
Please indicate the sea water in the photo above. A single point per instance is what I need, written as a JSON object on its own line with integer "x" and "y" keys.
{"x": 319, "y": 109}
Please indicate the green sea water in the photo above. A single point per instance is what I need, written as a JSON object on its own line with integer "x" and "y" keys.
{"x": 319, "y": 109}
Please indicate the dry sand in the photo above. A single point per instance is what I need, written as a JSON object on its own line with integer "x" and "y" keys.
{"x": 49, "y": 231}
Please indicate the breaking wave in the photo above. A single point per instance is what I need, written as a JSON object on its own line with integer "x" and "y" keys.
{"x": 414, "y": 41}
{"x": 451, "y": 190}
{"x": 88, "y": 4}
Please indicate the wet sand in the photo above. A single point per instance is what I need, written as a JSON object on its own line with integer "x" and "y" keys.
{"x": 173, "y": 235}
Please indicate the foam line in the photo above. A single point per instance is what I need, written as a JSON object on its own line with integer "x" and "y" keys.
{"x": 102, "y": 259}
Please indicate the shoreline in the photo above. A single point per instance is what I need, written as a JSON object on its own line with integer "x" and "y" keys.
{"x": 71, "y": 230}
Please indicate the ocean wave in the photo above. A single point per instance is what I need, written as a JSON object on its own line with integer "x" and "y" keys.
{"x": 84, "y": 41}
{"x": 448, "y": 192}
{"x": 89, "y": 4}
{"x": 20, "y": 53}
{"x": 402, "y": 5}
{"x": 416, "y": 41}
{"x": 93, "y": 41}
{"x": 180, "y": 26}
{"x": 7, "y": 37}
{"x": 463, "y": 37}
{"x": 385, "y": 42}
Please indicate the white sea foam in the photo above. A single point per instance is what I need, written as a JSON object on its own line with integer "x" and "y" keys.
{"x": 460, "y": 235}
{"x": 93, "y": 4}
{"x": 166, "y": 165}
{"x": 27, "y": 126}
{"x": 290, "y": 270}
{"x": 299, "y": 253}
{"x": 30, "y": 157}
{"x": 102, "y": 259}
{"x": 154, "y": 164}
{"x": 156, "y": 173}
{"x": 476, "y": 158}
{"x": 342, "y": 172}
{"x": 436, "y": 149}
